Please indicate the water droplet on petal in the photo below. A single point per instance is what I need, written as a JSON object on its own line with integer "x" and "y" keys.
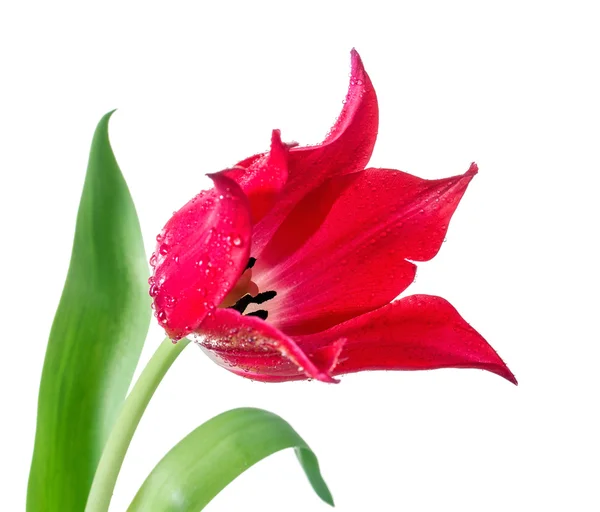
{"x": 162, "y": 317}
{"x": 153, "y": 260}
{"x": 163, "y": 249}
{"x": 169, "y": 301}
{"x": 237, "y": 241}
{"x": 153, "y": 290}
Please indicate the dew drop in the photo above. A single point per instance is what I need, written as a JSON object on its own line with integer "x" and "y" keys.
{"x": 237, "y": 241}
{"x": 163, "y": 249}
{"x": 153, "y": 290}
{"x": 153, "y": 260}
{"x": 170, "y": 301}
{"x": 162, "y": 317}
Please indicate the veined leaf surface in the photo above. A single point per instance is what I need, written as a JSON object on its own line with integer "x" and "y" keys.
{"x": 96, "y": 338}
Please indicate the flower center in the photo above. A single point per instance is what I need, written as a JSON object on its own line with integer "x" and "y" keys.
{"x": 246, "y": 292}
{"x": 245, "y": 287}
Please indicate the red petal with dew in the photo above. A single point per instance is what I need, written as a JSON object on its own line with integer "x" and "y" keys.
{"x": 346, "y": 149}
{"x": 343, "y": 250}
{"x": 263, "y": 178}
{"x": 250, "y": 347}
{"x": 200, "y": 255}
{"x": 420, "y": 332}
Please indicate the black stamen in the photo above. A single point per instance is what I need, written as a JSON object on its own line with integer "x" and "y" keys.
{"x": 247, "y": 299}
{"x": 261, "y": 313}
{"x": 264, "y": 297}
{"x": 242, "y": 304}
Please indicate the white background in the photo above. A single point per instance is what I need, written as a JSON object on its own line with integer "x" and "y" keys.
{"x": 510, "y": 85}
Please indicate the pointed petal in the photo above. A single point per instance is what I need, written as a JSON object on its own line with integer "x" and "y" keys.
{"x": 343, "y": 250}
{"x": 252, "y": 348}
{"x": 420, "y": 332}
{"x": 346, "y": 149}
{"x": 262, "y": 177}
{"x": 201, "y": 253}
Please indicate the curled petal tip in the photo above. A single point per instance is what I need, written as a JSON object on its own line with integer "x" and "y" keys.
{"x": 509, "y": 376}
{"x": 357, "y": 68}
{"x": 326, "y": 359}
{"x": 473, "y": 169}
{"x": 220, "y": 179}
{"x": 325, "y": 377}
{"x": 501, "y": 370}
{"x": 279, "y": 151}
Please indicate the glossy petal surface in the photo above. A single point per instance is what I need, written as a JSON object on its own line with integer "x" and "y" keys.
{"x": 255, "y": 349}
{"x": 346, "y": 149}
{"x": 342, "y": 252}
{"x": 200, "y": 255}
{"x": 420, "y": 332}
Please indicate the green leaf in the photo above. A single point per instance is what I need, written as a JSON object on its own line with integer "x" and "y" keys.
{"x": 96, "y": 338}
{"x": 214, "y": 454}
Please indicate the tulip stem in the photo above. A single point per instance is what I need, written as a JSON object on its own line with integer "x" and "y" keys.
{"x": 127, "y": 422}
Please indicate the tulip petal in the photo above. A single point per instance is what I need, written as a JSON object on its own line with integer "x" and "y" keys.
{"x": 346, "y": 149}
{"x": 201, "y": 253}
{"x": 343, "y": 251}
{"x": 262, "y": 177}
{"x": 250, "y": 347}
{"x": 420, "y": 332}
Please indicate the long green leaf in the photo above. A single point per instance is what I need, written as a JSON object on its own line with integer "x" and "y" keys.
{"x": 214, "y": 454}
{"x": 96, "y": 338}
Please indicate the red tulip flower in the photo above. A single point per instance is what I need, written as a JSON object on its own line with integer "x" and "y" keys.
{"x": 288, "y": 268}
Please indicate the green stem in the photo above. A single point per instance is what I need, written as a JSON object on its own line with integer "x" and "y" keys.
{"x": 124, "y": 428}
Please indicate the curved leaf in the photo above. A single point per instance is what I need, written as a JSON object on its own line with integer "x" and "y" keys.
{"x": 214, "y": 454}
{"x": 96, "y": 338}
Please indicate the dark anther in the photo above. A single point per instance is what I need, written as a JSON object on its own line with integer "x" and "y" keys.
{"x": 243, "y": 303}
{"x": 261, "y": 313}
{"x": 251, "y": 263}
{"x": 264, "y": 297}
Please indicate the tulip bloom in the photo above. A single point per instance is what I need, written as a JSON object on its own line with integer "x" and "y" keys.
{"x": 288, "y": 268}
